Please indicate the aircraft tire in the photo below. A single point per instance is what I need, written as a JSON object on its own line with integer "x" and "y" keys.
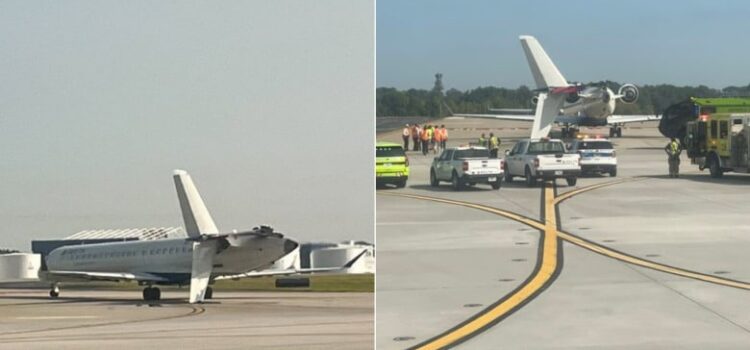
{"x": 54, "y": 294}
{"x": 209, "y": 293}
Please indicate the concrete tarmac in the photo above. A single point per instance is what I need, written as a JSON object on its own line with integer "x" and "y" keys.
{"x": 232, "y": 320}
{"x": 622, "y": 286}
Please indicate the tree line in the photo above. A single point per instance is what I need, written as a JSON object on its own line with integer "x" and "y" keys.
{"x": 431, "y": 103}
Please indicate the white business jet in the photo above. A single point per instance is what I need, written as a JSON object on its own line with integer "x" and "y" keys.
{"x": 196, "y": 260}
{"x": 566, "y": 104}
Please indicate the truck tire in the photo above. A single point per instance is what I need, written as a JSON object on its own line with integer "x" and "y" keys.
{"x": 401, "y": 184}
{"x": 613, "y": 172}
{"x": 714, "y": 167}
{"x": 508, "y": 176}
{"x": 497, "y": 184}
{"x": 530, "y": 180}
{"x": 572, "y": 181}
{"x": 434, "y": 182}
{"x": 456, "y": 182}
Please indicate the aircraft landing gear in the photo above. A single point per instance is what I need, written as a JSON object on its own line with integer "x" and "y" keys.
{"x": 54, "y": 291}
{"x": 151, "y": 293}
{"x": 615, "y": 131}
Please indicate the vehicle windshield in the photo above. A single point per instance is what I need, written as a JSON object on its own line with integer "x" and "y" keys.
{"x": 546, "y": 148}
{"x": 389, "y": 151}
{"x": 472, "y": 153}
{"x": 594, "y": 145}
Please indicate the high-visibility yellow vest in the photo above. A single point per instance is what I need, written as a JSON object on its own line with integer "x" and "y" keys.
{"x": 494, "y": 142}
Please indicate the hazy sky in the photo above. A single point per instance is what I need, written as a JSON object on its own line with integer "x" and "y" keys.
{"x": 475, "y": 43}
{"x": 268, "y": 104}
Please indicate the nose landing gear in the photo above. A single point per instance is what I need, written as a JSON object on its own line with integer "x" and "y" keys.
{"x": 54, "y": 291}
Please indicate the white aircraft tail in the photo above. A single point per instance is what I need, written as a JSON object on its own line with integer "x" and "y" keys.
{"x": 543, "y": 69}
{"x": 198, "y": 220}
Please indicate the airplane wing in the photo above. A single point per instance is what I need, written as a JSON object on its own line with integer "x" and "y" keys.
{"x": 527, "y": 118}
{"x": 104, "y": 276}
{"x": 622, "y": 119}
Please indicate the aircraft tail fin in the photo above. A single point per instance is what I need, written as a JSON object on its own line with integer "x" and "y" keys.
{"x": 198, "y": 220}
{"x": 546, "y": 74}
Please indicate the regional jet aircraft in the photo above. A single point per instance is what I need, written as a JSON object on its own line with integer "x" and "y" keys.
{"x": 196, "y": 260}
{"x": 567, "y": 104}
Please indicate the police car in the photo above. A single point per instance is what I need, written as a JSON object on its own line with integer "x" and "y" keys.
{"x": 597, "y": 155}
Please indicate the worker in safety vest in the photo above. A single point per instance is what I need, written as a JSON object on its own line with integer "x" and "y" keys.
{"x": 437, "y": 136}
{"x": 416, "y": 136}
{"x": 673, "y": 150}
{"x": 494, "y": 145}
{"x": 426, "y": 137}
{"x": 432, "y": 138}
{"x": 482, "y": 141}
{"x": 443, "y": 136}
{"x": 405, "y": 135}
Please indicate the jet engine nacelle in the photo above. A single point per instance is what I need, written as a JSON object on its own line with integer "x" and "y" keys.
{"x": 572, "y": 97}
{"x": 628, "y": 93}
{"x": 534, "y": 100}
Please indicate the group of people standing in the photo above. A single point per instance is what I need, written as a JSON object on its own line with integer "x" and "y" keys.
{"x": 492, "y": 143}
{"x": 429, "y": 137}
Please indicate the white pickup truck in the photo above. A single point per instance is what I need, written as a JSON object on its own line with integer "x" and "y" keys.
{"x": 464, "y": 166}
{"x": 541, "y": 159}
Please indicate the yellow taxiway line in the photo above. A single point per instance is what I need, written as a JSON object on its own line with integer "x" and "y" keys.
{"x": 540, "y": 278}
{"x": 548, "y": 266}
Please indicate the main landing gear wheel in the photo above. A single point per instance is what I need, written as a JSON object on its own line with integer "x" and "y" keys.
{"x": 209, "y": 293}
{"x": 615, "y": 131}
{"x": 54, "y": 291}
{"x": 151, "y": 293}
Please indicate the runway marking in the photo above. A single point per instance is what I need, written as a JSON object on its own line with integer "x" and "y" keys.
{"x": 551, "y": 236}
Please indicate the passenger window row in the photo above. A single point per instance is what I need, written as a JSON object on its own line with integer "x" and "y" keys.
{"x": 128, "y": 254}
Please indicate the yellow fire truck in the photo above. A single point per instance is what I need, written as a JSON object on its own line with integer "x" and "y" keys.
{"x": 718, "y": 136}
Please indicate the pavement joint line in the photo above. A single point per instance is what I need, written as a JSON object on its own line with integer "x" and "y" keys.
{"x": 699, "y": 304}
{"x": 537, "y": 281}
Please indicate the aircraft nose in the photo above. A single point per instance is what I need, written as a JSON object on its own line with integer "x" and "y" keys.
{"x": 290, "y": 245}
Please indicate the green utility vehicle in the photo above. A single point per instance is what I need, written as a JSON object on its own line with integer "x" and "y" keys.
{"x": 391, "y": 164}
